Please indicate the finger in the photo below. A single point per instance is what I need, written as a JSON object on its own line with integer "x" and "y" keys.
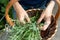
{"x": 46, "y": 24}
{"x": 22, "y": 20}
{"x": 40, "y": 19}
{"x": 28, "y": 19}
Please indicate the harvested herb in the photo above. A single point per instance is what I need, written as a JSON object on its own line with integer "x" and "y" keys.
{"x": 28, "y": 31}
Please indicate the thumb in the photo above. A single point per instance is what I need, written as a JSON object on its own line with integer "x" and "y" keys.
{"x": 22, "y": 20}
{"x": 27, "y": 18}
{"x": 46, "y": 24}
{"x": 41, "y": 17}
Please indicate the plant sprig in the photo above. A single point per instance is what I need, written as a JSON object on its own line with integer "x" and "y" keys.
{"x": 28, "y": 31}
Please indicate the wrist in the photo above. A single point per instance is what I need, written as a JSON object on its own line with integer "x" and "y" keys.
{"x": 52, "y": 1}
{"x": 50, "y": 6}
{"x": 18, "y": 8}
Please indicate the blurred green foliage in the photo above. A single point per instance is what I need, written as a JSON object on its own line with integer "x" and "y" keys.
{"x": 28, "y": 31}
{"x": 3, "y": 4}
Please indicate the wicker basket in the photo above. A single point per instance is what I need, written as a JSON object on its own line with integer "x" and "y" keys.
{"x": 51, "y": 30}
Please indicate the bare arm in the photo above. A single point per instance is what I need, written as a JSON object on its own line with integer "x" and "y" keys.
{"x": 18, "y": 8}
{"x": 21, "y": 13}
{"x": 50, "y": 6}
{"x": 46, "y": 14}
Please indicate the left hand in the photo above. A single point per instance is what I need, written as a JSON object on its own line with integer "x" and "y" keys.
{"x": 46, "y": 15}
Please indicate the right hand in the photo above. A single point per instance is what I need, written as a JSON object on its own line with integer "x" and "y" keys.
{"x": 21, "y": 13}
{"x": 23, "y": 16}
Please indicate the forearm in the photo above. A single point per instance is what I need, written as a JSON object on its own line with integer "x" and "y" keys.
{"x": 50, "y": 6}
{"x": 18, "y": 8}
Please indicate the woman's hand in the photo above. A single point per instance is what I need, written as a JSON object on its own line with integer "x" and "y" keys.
{"x": 21, "y": 13}
{"x": 46, "y": 15}
{"x": 23, "y": 16}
